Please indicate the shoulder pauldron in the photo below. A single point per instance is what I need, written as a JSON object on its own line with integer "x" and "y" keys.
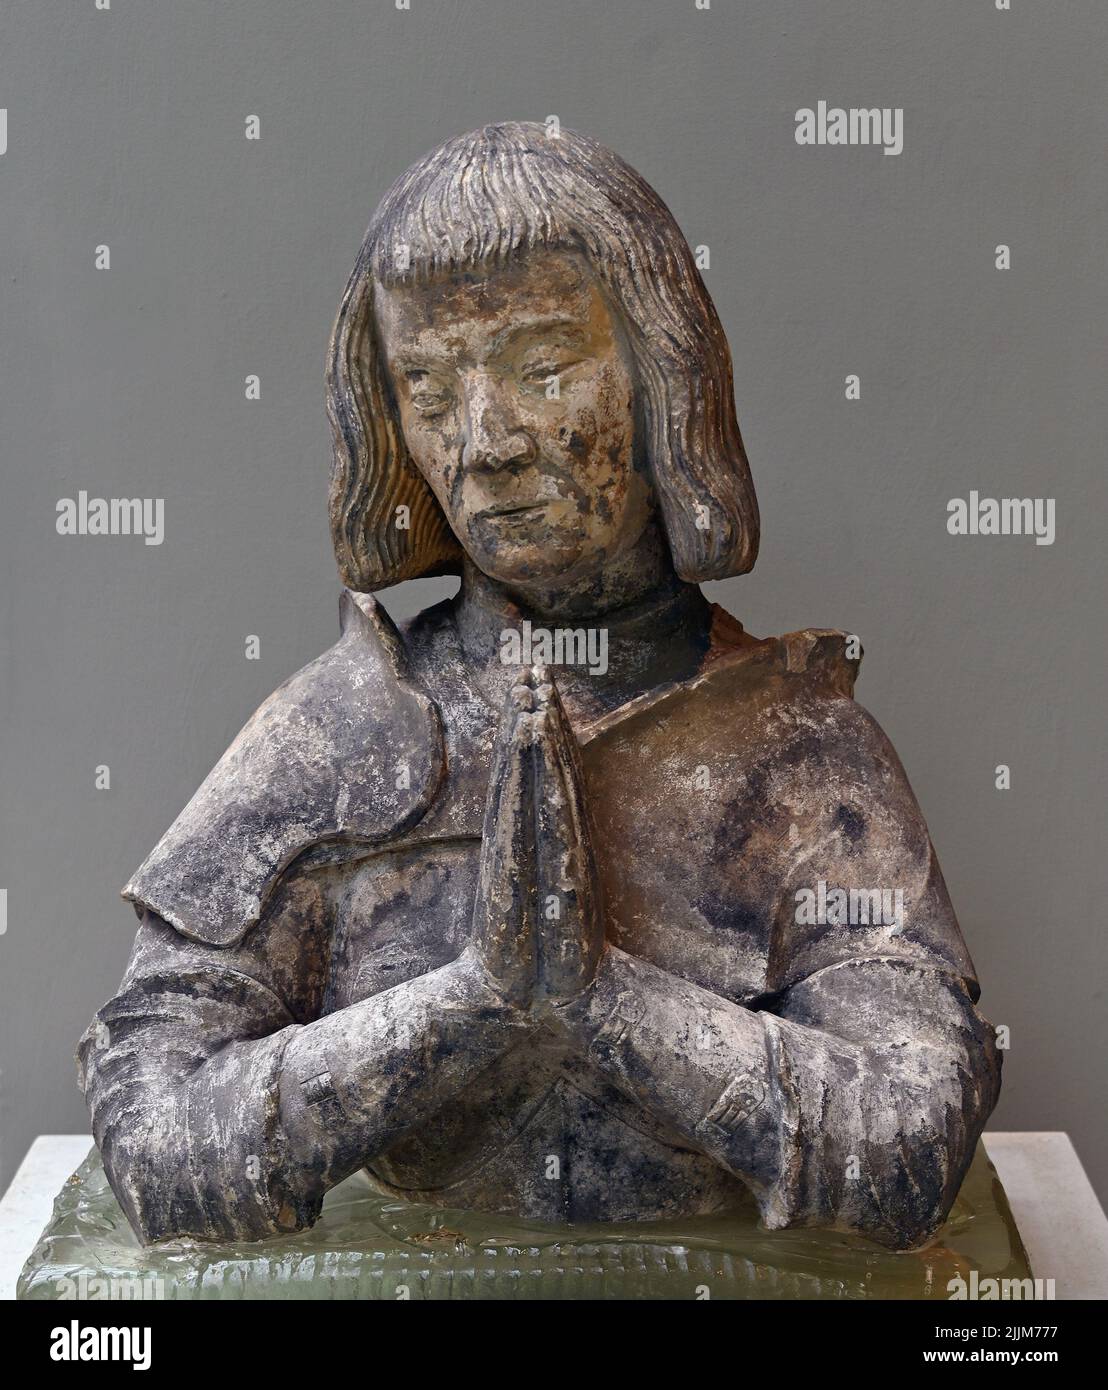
{"x": 349, "y": 748}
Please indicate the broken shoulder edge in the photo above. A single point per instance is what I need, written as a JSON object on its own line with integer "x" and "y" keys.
{"x": 820, "y": 656}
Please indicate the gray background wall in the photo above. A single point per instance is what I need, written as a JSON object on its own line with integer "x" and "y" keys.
{"x": 228, "y": 257}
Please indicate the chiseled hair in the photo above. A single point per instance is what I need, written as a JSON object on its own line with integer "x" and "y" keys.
{"x": 487, "y": 198}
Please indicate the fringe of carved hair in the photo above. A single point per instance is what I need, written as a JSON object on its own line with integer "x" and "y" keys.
{"x": 487, "y": 198}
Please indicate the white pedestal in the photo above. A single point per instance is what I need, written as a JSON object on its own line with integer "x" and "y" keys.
{"x": 26, "y": 1206}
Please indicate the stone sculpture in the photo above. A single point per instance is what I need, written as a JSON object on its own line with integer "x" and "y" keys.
{"x": 620, "y": 933}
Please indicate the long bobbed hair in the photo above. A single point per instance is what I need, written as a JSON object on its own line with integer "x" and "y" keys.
{"x": 486, "y": 199}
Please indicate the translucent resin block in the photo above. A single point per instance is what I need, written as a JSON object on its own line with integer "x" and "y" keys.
{"x": 367, "y": 1245}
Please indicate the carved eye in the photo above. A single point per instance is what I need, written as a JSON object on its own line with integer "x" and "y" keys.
{"x": 427, "y": 396}
{"x": 539, "y": 373}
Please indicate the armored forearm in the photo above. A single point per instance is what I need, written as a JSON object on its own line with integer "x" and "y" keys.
{"x": 221, "y": 1113}
{"x": 353, "y": 1082}
{"x": 690, "y": 1057}
{"x": 180, "y": 1073}
{"x": 858, "y": 1105}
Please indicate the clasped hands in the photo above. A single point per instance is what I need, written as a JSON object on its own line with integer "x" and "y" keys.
{"x": 538, "y": 928}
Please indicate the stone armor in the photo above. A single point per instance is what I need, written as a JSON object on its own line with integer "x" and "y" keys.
{"x": 330, "y": 860}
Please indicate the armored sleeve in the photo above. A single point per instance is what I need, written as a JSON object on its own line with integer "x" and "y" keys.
{"x": 852, "y": 1093}
{"x": 181, "y": 1073}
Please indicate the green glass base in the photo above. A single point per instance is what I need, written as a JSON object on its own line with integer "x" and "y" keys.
{"x": 367, "y": 1245}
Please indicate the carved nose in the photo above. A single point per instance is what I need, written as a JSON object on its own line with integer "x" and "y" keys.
{"x": 493, "y": 439}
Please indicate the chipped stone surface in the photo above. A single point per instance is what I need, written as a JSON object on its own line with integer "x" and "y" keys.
{"x": 570, "y": 944}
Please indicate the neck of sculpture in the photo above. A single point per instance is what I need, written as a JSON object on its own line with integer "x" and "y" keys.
{"x": 644, "y": 626}
{"x": 641, "y": 571}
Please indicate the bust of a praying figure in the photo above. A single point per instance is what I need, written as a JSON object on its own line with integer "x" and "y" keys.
{"x": 568, "y": 898}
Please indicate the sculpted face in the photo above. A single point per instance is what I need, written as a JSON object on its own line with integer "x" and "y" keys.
{"x": 516, "y": 398}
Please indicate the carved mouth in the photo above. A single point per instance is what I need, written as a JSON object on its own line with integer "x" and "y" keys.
{"x": 515, "y": 511}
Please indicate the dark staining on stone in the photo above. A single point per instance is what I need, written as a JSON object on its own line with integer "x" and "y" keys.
{"x": 803, "y": 748}
{"x": 733, "y": 915}
{"x": 737, "y": 827}
{"x": 851, "y": 822}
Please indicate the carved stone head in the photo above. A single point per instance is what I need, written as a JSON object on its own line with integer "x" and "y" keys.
{"x": 526, "y": 365}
